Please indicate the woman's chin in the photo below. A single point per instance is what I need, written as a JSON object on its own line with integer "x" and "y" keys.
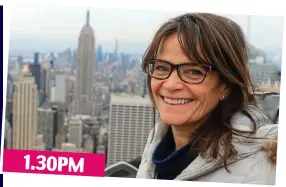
{"x": 173, "y": 121}
{"x": 178, "y": 119}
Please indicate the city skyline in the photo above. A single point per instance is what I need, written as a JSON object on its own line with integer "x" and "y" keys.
{"x": 82, "y": 108}
{"x": 53, "y": 29}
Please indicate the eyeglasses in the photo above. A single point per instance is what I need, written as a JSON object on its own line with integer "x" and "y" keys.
{"x": 191, "y": 73}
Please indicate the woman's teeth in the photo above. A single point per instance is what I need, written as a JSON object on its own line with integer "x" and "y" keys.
{"x": 177, "y": 101}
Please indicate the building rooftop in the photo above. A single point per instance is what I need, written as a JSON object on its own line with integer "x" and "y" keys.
{"x": 121, "y": 169}
{"x": 82, "y": 117}
{"x": 45, "y": 106}
{"x": 68, "y": 145}
{"x": 128, "y": 99}
{"x": 87, "y": 29}
{"x": 42, "y": 109}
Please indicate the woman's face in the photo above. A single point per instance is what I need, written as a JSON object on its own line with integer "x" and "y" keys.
{"x": 202, "y": 97}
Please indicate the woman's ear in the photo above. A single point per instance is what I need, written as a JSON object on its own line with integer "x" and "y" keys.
{"x": 224, "y": 92}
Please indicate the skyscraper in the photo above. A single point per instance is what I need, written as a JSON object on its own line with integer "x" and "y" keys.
{"x": 50, "y": 81}
{"x": 7, "y": 135}
{"x": 43, "y": 84}
{"x": 84, "y": 102}
{"x": 46, "y": 125}
{"x": 131, "y": 119}
{"x": 60, "y": 86}
{"x": 116, "y": 50}
{"x": 35, "y": 69}
{"x": 75, "y": 132}
{"x": 99, "y": 54}
{"x": 25, "y": 111}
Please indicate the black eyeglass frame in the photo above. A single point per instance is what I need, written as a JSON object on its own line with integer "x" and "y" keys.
{"x": 208, "y": 69}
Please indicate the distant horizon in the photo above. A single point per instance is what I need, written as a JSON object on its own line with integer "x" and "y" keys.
{"x": 126, "y": 48}
{"x": 47, "y": 29}
{"x": 133, "y": 49}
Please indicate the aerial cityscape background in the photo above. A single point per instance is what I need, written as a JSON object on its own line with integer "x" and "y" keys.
{"x": 75, "y": 82}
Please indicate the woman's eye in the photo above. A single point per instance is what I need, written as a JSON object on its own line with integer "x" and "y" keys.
{"x": 193, "y": 72}
{"x": 161, "y": 68}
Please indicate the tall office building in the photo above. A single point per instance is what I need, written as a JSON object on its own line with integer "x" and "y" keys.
{"x": 7, "y": 135}
{"x": 43, "y": 85}
{"x": 60, "y": 139}
{"x": 59, "y": 117}
{"x": 99, "y": 54}
{"x": 50, "y": 81}
{"x": 53, "y": 91}
{"x": 84, "y": 101}
{"x": 46, "y": 126}
{"x": 131, "y": 119}
{"x": 70, "y": 89}
{"x": 9, "y": 111}
{"x": 25, "y": 111}
{"x": 75, "y": 132}
{"x": 60, "y": 86}
{"x": 10, "y": 86}
{"x": 35, "y": 70}
{"x": 116, "y": 50}
{"x": 88, "y": 144}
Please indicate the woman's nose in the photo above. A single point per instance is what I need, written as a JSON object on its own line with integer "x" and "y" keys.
{"x": 173, "y": 82}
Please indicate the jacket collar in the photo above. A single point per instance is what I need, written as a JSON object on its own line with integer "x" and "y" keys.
{"x": 244, "y": 143}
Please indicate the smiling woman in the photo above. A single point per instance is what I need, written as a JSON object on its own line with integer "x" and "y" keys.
{"x": 210, "y": 127}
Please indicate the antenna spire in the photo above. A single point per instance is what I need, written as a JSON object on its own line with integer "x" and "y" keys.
{"x": 87, "y": 17}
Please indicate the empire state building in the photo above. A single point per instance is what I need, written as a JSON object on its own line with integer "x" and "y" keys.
{"x": 84, "y": 102}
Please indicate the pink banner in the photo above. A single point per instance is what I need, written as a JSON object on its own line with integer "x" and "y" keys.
{"x": 50, "y": 162}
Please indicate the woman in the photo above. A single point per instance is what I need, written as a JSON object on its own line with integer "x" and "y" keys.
{"x": 210, "y": 128}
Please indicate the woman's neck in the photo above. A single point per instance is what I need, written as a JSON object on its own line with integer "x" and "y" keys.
{"x": 183, "y": 133}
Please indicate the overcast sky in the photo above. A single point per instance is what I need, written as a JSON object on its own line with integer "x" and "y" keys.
{"x": 53, "y": 29}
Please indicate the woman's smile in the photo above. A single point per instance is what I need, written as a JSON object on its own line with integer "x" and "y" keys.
{"x": 176, "y": 101}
